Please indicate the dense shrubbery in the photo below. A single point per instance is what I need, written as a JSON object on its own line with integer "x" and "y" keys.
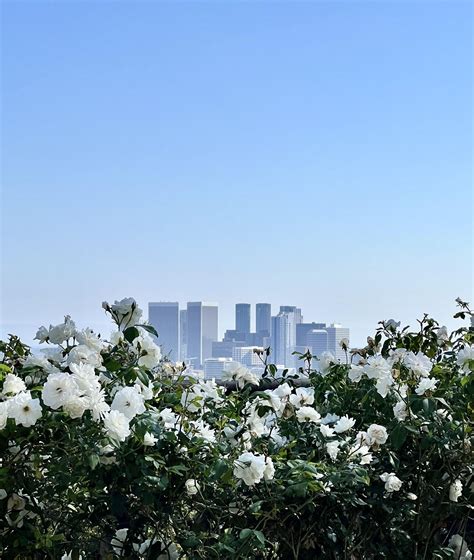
{"x": 109, "y": 451}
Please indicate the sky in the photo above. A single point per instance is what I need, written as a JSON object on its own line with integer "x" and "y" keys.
{"x": 316, "y": 154}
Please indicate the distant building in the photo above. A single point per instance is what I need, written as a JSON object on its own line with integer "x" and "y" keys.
{"x": 246, "y": 356}
{"x": 164, "y": 316}
{"x": 223, "y": 349}
{"x": 336, "y": 333}
{"x": 242, "y": 317}
{"x": 183, "y": 334}
{"x": 283, "y": 338}
{"x": 302, "y": 329}
{"x": 214, "y": 367}
{"x": 292, "y": 309}
{"x": 317, "y": 341}
{"x": 263, "y": 319}
{"x": 202, "y": 321}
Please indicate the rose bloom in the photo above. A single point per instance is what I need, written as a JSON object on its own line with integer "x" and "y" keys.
{"x": 392, "y": 482}
{"x": 192, "y": 486}
{"x": 376, "y": 434}
{"x": 13, "y": 385}
{"x": 308, "y": 414}
{"x": 116, "y": 425}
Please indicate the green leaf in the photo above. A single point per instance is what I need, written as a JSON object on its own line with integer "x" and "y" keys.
{"x": 398, "y": 436}
{"x": 150, "y": 329}
{"x": 131, "y": 334}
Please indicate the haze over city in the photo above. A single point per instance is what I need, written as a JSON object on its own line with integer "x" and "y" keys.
{"x": 308, "y": 154}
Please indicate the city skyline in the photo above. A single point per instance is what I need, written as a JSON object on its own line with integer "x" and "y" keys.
{"x": 191, "y": 335}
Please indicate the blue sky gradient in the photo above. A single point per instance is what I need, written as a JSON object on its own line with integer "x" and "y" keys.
{"x": 311, "y": 154}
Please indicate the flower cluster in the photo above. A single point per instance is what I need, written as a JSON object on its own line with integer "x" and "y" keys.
{"x": 115, "y": 451}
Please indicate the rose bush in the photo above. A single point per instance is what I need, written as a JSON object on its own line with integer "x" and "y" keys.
{"x": 109, "y": 451}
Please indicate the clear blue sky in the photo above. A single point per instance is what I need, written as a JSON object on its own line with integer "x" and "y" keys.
{"x": 312, "y": 154}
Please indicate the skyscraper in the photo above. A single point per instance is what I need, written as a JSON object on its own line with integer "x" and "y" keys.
{"x": 283, "y": 338}
{"x": 263, "y": 318}
{"x": 302, "y": 329}
{"x": 336, "y": 333}
{"x": 317, "y": 341}
{"x": 202, "y": 318}
{"x": 164, "y": 316}
{"x": 242, "y": 317}
{"x": 183, "y": 334}
{"x": 292, "y": 309}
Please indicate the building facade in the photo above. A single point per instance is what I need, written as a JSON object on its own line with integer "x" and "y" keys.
{"x": 164, "y": 316}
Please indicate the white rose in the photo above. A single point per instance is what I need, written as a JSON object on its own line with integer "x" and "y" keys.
{"x": 400, "y": 411}
{"x": 149, "y": 440}
{"x": 116, "y": 425}
{"x": 3, "y": 414}
{"x": 13, "y": 384}
{"x": 332, "y": 449}
{"x": 343, "y": 424}
{"x": 250, "y": 468}
{"x": 455, "y": 490}
{"x": 426, "y": 384}
{"x": 58, "y": 389}
{"x": 24, "y": 409}
{"x": 376, "y": 434}
{"x": 308, "y": 414}
{"x": 129, "y": 402}
{"x": 192, "y": 486}
{"x": 392, "y": 482}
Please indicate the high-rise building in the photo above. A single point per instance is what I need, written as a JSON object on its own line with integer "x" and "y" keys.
{"x": 164, "y": 316}
{"x": 317, "y": 341}
{"x": 242, "y": 317}
{"x": 246, "y": 356}
{"x": 202, "y": 319}
{"x": 283, "y": 338}
{"x": 215, "y": 367}
{"x": 292, "y": 309}
{"x": 302, "y": 329}
{"x": 183, "y": 334}
{"x": 336, "y": 333}
{"x": 263, "y": 319}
